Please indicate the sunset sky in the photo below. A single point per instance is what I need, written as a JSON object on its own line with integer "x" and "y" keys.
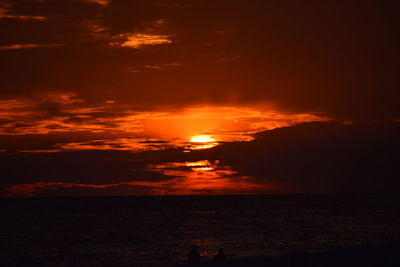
{"x": 155, "y": 97}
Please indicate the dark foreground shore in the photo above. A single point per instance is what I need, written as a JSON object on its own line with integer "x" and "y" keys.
{"x": 377, "y": 255}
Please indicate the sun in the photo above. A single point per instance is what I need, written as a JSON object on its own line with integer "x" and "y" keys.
{"x": 201, "y": 139}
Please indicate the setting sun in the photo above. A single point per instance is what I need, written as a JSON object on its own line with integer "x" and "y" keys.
{"x": 201, "y": 139}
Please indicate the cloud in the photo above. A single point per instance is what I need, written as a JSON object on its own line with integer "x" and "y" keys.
{"x": 63, "y": 111}
{"x": 59, "y": 97}
{"x": 164, "y": 66}
{"x": 205, "y": 177}
{"x": 138, "y": 40}
{"x": 253, "y": 62}
{"x": 102, "y": 3}
{"x": 172, "y": 66}
{"x": 256, "y": 58}
{"x": 3, "y": 14}
{"x": 12, "y": 110}
{"x": 122, "y": 144}
{"x": 6, "y": 13}
{"x": 102, "y": 167}
{"x": 58, "y": 112}
{"x": 28, "y": 46}
{"x": 226, "y": 69}
{"x": 320, "y": 157}
{"x": 54, "y": 188}
{"x": 186, "y": 178}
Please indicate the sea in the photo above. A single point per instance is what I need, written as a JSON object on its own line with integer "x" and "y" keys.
{"x": 160, "y": 230}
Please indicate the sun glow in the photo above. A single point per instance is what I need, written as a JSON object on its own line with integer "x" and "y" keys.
{"x": 201, "y": 139}
{"x": 199, "y": 142}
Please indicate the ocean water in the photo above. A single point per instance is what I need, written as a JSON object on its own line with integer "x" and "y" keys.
{"x": 159, "y": 231}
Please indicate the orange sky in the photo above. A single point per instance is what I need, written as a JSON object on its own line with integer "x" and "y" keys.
{"x": 120, "y": 82}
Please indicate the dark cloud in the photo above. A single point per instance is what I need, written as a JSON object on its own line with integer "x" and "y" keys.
{"x": 79, "y": 167}
{"x": 92, "y": 89}
{"x": 333, "y": 57}
{"x": 320, "y": 157}
{"x": 307, "y": 158}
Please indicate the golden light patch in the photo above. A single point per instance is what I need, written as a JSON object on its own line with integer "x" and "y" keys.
{"x": 201, "y": 139}
{"x": 137, "y": 40}
{"x": 199, "y": 142}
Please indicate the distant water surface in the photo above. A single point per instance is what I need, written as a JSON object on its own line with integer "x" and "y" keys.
{"x": 158, "y": 231}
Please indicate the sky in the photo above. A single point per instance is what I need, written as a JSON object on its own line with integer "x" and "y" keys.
{"x": 152, "y": 97}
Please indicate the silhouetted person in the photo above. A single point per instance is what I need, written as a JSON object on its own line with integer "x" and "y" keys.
{"x": 194, "y": 256}
{"x": 220, "y": 256}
